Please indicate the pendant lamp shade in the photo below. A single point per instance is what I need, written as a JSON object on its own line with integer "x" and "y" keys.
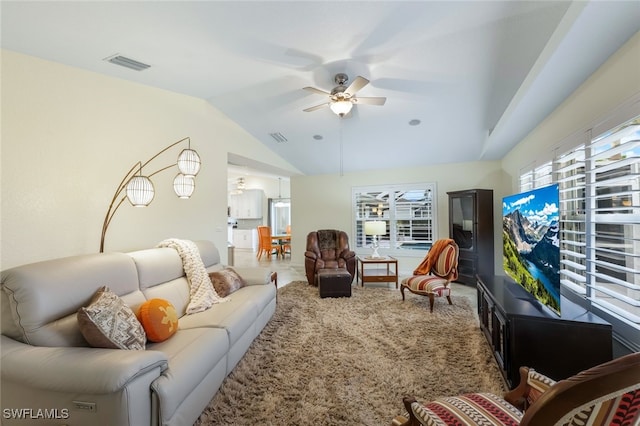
{"x": 184, "y": 185}
{"x": 189, "y": 162}
{"x": 341, "y": 107}
{"x": 140, "y": 191}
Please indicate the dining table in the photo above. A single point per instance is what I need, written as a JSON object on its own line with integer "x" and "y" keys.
{"x": 281, "y": 240}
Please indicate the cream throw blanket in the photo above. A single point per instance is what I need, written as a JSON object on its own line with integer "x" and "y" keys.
{"x": 202, "y": 295}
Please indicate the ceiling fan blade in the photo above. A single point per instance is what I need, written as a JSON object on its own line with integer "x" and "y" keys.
{"x": 369, "y": 100}
{"x": 357, "y": 84}
{"x": 314, "y": 108}
{"x": 317, "y": 91}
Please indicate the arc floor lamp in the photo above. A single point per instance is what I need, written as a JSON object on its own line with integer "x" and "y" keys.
{"x": 139, "y": 190}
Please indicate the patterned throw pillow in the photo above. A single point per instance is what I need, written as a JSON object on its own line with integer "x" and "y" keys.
{"x": 159, "y": 319}
{"x": 226, "y": 281}
{"x": 109, "y": 323}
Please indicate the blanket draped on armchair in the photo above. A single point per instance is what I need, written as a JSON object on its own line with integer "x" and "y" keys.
{"x": 202, "y": 295}
{"x": 432, "y": 257}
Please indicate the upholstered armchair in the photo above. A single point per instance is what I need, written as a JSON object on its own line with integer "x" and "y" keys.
{"x": 608, "y": 394}
{"x": 328, "y": 249}
{"x": 432, "y": 277}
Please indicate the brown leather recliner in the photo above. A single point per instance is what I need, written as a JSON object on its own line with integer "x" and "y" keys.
{"x": 328, "y": 249}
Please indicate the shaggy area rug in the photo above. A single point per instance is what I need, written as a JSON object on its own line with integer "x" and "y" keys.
{"x": 351, "y": 360}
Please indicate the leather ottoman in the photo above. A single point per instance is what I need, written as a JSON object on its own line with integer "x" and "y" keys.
{"x": 334, "y": 282}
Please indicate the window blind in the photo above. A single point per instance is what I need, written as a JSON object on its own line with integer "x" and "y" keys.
{"x": 613, "y": 246}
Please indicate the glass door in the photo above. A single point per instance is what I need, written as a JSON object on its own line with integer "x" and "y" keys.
{"x": 462, "y": 218}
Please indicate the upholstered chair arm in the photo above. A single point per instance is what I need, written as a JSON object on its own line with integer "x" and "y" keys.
{"x": 591, "y": 387}
{"x": 76, "y": 370}
{"x": 518, "y": 396}
{"x": 347, "y": 254}
{"x": 531, "y": 387}
{"x": 400, "y": 421}
{"x": 312, "y": 262}
{"x": 408, "y": 401}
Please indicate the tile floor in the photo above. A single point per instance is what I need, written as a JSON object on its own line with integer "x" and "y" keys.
{"x": 289, "y": 271}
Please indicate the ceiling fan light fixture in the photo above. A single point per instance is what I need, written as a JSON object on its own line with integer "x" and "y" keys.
{"x": 341, "y": 108}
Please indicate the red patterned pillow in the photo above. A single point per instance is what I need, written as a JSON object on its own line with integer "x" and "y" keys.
{"x": 159, "y": 319}
{"x": 226, "y": 281}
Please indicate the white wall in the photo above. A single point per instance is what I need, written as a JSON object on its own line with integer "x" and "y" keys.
{"x": 613, "y": 86}
{"x": 325, "y": 201}
{"x": 68, "y": 138}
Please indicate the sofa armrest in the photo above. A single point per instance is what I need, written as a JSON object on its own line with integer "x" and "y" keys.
{"x": 74, "y": 369}
{"x": 254, "y": 275}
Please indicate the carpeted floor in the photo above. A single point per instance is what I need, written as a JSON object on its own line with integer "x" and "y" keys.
{"x": 351, "y": 360}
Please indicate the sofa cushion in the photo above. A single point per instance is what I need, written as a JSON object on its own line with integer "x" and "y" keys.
{"x": 40, "y": 300}
{"x": 226, "y": 281}
{"x": 428, "y": 284}
{"x": 236, "y": 316}
{"x": 107, "y": 322}
{"x": 258, "y": 295}
{"x": 159, "y": 319}
{"x": 208, "y": 252}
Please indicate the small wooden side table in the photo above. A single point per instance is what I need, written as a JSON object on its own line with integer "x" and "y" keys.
{"x": 385, "y": 270}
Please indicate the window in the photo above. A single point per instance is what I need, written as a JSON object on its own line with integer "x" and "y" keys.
{"x": 600, "y": 220}
{"x": 407, "y": 210}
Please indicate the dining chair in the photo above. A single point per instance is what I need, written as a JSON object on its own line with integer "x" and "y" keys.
{"x": 286, "y": 245}
{"x": 265, "y": 243}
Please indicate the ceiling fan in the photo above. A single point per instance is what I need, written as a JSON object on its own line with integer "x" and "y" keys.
{"x": 342, "y": 98}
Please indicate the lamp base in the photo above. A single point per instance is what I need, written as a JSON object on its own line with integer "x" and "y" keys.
{"x": 374, "y": 246}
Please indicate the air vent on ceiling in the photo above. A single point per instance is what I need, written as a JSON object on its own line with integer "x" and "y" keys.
{"x": 123, "y": 61}
{"x": 278, "y": 137}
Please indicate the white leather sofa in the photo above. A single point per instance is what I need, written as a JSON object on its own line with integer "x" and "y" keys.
{"x": 50, "y": 376}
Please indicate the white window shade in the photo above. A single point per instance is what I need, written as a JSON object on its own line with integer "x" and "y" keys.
{"x": 570, "y": 176}
{"x": 613, "y": 246}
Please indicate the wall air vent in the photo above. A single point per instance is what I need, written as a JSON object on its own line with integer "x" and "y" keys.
{"x": 123, "y": 61}
{"x": 278, "y": 137}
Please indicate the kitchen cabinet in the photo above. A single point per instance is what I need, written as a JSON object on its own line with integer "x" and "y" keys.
{"x": 247, "y": 205}
{"x": 245, "y": 239}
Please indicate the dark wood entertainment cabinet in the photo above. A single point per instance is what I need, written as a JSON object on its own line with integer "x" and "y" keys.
{"x": 471, "y": 227}
{"x": 522, "y": 332}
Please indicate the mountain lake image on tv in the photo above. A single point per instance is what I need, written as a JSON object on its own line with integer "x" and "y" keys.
{"x": 530, "y": 243}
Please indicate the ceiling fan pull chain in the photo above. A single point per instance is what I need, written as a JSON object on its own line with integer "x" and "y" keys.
{"x": 341, "y": 151}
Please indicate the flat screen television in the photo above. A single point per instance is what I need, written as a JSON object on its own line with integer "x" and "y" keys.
{"x": 531, "y": 245}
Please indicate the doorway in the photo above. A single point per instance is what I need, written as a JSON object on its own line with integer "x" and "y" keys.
{"x": 279, "y": 215}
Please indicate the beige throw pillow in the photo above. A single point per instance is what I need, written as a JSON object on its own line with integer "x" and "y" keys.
{"x": 226, "y": 281}
{"x": 107, "y": 322}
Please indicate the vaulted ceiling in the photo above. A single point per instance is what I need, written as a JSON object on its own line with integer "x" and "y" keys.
{"x": 464, "y": 80}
